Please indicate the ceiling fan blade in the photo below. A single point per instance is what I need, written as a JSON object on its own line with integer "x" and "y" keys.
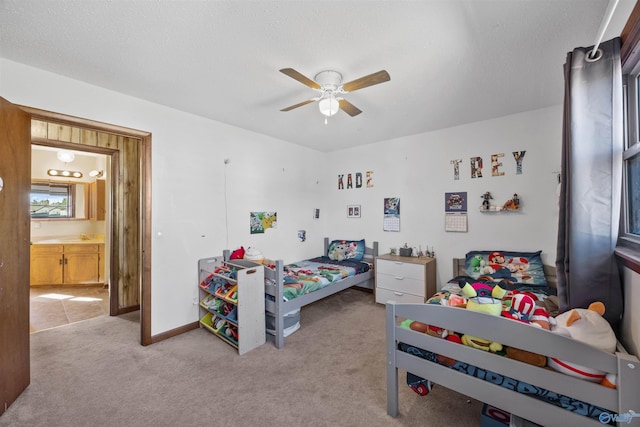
{"x": 366, "y": 81}
{"x": 349, "y": 108}
{"x": 301, "y": 78}
{"x": 308, "y": 101}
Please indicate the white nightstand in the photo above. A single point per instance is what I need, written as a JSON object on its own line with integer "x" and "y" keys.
{"x": 405, "y": 279}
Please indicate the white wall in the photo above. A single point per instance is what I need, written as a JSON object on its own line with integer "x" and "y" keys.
{"x": 193, "y": 216}
{"x": 189, "y": 217}
{"x": 417, "y": 169}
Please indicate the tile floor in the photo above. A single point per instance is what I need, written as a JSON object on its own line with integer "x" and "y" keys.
{"x": 53, "y": 306}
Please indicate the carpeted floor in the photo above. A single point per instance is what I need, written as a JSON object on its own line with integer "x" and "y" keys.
{"x": 330, "y": 373}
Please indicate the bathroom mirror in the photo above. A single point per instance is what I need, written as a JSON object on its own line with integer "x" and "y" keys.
{"x": 57, "y": 200}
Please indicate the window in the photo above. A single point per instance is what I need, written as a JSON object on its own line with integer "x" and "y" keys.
{"x": 628, "y": 249}
{"x": 632, "y": 177}
{"x": 52, "y": 200}
{"x": 630, "y": 224}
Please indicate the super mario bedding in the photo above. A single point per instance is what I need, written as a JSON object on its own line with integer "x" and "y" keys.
{"x": 526, "y": 304}
{"x": 307, "y": 276}
{"x": 506, "y": 267}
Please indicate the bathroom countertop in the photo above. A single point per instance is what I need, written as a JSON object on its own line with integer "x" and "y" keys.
{"x": 71, "y": 240}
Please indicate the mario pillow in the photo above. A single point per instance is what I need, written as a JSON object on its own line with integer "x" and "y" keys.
{"x": 509, "y": 267}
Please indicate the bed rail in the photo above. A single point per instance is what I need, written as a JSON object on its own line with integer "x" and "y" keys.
{"x": 514, "y": 334}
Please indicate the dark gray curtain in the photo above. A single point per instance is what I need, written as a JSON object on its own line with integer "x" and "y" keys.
{"x": 591, "y": 178}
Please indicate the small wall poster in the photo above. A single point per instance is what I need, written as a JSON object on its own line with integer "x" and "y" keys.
{"x": 260, "y": 221}
{"x": 391, "y": 214}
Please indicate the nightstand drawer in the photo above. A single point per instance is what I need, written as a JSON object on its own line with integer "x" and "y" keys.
{"x": 400, "y": 269}
{"x": 401, "y": 284}
{"x": 384, "y": 295}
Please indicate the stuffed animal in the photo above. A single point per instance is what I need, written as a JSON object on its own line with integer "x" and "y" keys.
{"x": 485, "y": 299}
{"x": 523, "y": 309}
{"x": 525, "y": 356}
{"x": 253, "y": 254}
{"x": 477, "y": 263}
{"x": 339, "y": 252}
{"x": 238, "y": 253}
{"x": 587, "y": 326}
{"x": 448, "y": 299}
{"x": 542, "y": 319}
{"x": 437, "y": 332}
{"x": 522, "y": 306}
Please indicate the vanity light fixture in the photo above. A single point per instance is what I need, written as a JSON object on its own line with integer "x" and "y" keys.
{"x": 64, "y": 173}
{"x": 66, "y": 156}
{"x": 96, "y": 173}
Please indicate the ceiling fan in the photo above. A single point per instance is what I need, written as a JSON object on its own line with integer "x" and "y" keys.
{"x": 329, "y": 85}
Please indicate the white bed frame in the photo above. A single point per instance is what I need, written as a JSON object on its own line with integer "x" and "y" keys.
{"x": 623, "y": 399}
{"x": 279, "y": 308}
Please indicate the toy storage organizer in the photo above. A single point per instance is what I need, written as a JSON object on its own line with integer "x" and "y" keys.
{"x": 231, "y": 295}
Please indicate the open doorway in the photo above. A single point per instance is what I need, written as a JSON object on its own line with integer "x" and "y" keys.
{"x": 69, "y": 223}
{"x": 129, "y": 151}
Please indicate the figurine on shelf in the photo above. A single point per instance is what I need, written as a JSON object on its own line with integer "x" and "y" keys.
{"x": 485, "y": 202}
{"x": 513, "y": 204}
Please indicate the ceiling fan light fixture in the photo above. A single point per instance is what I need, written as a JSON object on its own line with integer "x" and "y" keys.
{"x": 329, "y": 106}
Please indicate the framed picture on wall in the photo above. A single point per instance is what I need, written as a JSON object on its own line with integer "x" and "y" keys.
{"x": 353, "y": 211}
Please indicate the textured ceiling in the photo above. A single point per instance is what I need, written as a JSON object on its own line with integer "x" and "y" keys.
{"x": 451, "y": 62}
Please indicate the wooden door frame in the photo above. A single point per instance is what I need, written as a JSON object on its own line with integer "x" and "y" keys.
{"x": 145, "y": 197}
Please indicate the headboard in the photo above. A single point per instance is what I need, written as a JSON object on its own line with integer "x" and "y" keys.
{"x": 549, "y": 271}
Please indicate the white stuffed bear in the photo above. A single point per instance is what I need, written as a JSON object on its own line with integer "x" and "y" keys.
{"x": 587, "y": 326}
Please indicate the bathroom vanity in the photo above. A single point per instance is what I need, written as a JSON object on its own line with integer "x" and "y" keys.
{"x": 67, "y": 262}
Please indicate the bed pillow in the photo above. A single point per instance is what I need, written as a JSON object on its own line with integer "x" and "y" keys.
{"x": 339, "y": 250}
{"x": 523, "y": 268}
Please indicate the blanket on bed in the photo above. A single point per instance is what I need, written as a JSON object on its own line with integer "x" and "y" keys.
{"x": 306, "y": 276}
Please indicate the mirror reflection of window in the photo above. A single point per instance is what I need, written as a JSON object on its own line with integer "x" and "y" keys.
{"x": 56, "y": 200}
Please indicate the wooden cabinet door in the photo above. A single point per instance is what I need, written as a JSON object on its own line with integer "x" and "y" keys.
{"x": 97, "y": 200}
{"x": 81, "y": 264}
{"x": 46, "y": 265}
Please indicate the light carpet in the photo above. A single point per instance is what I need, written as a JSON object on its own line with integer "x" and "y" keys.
{"x": 330, "y": 373}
